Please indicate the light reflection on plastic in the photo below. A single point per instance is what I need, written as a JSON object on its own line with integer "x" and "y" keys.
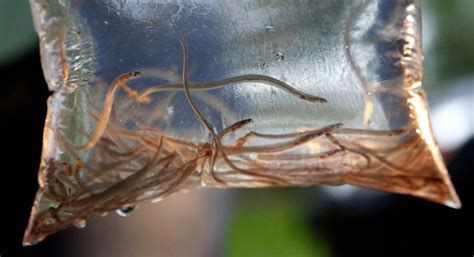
{"x": 453, "y": 122}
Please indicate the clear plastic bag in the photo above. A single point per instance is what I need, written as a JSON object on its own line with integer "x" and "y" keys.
{"x": 156, "y": 97}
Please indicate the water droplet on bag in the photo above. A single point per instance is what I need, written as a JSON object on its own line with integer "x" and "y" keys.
{"x": 126, "y": 211}
{"x": 261, "y": 64}
{"x": 269, "y": 28}
{"x": 280, "y": 56}
{"x": 80, "y": 223}
{"x": 158, "y": 199}
{"x": 48, "y": 221}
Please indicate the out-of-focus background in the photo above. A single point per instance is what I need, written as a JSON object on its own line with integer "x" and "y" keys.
{"x": 317, "y": 221}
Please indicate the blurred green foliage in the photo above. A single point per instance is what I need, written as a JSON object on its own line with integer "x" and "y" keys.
{"x": 452, "y": 50}
{"x": 272, "y": 222}
{"x": 17, "y": 34}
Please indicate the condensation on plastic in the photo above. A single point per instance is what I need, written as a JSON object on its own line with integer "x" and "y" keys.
{"x": 279, "y": 93}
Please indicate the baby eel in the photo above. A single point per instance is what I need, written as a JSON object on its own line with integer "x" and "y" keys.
{"x": 107, "y": 197}
{"x": 280, "y": 147}
{"x": 212, "y": 129}
{"x": 234, "y": 127}
{"x": 193, "y": 105}
{"x": 126, "y": 184}
{"x": 298, "y": 157}
{"x": 105, "y": 115}
{"x": 63, "y": 57}
{"x": 234, "y": 80}
{"x": 337, "y": 130}
{"x": 368, "y": 104}
{"x": 185, "y": 86}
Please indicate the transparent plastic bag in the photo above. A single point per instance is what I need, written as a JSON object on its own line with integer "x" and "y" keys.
{"x": 156, "y": 97}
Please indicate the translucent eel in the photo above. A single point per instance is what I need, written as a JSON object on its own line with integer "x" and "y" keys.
{"x": 167, "y": 137}
{"x": 234, "y": 127}
{"x": 298, "y": 157}
{"x": 339, "y": 130}
{"x": 170, "y": 176}
{"x": 105, "y": 115}
{"x": 251, "y": 78}
{"x": 93, "y": 176}
{"x": 215, "y": 139}
{"x": 159, "y": 112}
{"x": 328, "y": 132}
{"x": 282, "y": 146}
{"x": 125, "y": 184}
{"x": 95, "y": 202}
{"x": 368, "y": 104}
{"x": 63, "y": 57}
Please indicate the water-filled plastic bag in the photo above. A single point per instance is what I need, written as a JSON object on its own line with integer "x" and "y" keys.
{"x": 156, "y": 97}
